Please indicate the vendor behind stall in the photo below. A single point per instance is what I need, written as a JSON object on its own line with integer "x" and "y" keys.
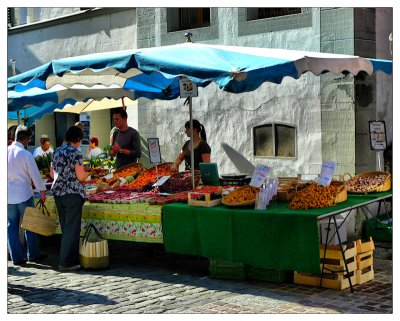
{"x": 125, "y": 141}
{"x": 201, "y": 149}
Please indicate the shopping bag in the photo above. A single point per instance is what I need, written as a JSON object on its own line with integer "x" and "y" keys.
{"x": 93, "y": 250}
{"x": 39, "y": 220}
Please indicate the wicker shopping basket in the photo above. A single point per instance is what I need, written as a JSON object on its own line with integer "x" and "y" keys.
{"x": 39, "y": 220}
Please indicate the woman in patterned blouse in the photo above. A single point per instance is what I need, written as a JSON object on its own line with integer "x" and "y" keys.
{"x": 69, "y": 195}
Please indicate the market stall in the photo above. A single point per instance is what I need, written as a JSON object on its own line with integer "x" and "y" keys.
{"x": 275, "y": 238}
{"x": 139, "y": 222}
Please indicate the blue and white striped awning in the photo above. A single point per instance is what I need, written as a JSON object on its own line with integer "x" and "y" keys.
{"x": 154, "y": 73}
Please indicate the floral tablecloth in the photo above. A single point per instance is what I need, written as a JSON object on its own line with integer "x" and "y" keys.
{"x": 139, "y": 222}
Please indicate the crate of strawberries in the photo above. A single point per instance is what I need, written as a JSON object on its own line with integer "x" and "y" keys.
{"x": 206, "y": 196}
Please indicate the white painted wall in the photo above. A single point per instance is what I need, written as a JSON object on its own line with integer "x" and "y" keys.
{"x": 230, "y": 118}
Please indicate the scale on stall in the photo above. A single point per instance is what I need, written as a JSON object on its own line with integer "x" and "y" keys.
{"x": 238, "y": 179}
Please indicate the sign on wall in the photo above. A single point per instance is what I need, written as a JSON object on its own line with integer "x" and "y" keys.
{"x": 377, "y": 134}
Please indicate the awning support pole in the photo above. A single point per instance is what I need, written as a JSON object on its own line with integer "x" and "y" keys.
{"x": 191, "y": 141}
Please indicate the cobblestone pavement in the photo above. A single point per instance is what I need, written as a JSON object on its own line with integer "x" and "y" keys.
{"x": 144, "y": 279}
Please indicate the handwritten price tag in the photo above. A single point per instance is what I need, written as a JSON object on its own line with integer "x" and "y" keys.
{"x": 260, "y": 174}
{"x": 327, "y": 171}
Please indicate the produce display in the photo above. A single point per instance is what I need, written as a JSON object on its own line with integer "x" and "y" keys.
{"x": 368, "y": 182}
{"x": 121, "y": 196}
{"x": 150, "y": 176}
{"x": 242, "y": 196}
{"x": 124, "y": 188}
{"x": 200, "y": 193}
{"x": 97, "y": 172}
{"x": 315, "y": 196}
{"x": 43, "y": 163}
{"x": 181, "y": 197}
{"x": 131, "y": 170}
{"x": 178, "y": 183}
{"x": 108, "y": 184}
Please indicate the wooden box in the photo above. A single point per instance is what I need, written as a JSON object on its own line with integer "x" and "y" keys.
{"x": 206, "y": 203}
{"x": 334, "y": 274}
{"x": 364, "y": 260}
{"x": 365, "y": 275}
{"x": 365, "y": 246}
{"x": 330, "y": 281}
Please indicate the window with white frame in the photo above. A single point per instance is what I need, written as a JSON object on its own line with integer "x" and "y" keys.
{"x": 274, "y": 140}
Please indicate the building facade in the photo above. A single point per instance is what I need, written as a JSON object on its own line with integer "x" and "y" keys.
{"x": 292, "y": 126}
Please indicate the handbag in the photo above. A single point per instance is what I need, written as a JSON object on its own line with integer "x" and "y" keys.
{"x": 93, "y": 250}
{"x": 39, "y": 220}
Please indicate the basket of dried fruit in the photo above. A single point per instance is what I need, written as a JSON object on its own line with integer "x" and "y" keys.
{"x": 317, "y": 196}
{"x": 133, "y": 170}
{"x": 288, "y": 189}
{"x": 149, "y": 176}
{"x": 368, "y": 182}
{"x": 341, "y": 192}
{"x": 242, "y": 196}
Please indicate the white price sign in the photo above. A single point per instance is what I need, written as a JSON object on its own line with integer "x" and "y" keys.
{"x": 377, "y": 134}
{"x": 259, "y": 176}
{"x": 327, "y": 171}
{"x": 154, "y": 150}
{"x": 187, "y": 88}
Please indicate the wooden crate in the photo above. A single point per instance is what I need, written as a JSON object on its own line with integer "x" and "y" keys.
{"x": 364, "y": 260}
{"x": 365, "y": 275}
{"x": 365, "y": 245}
{"x": 207, "y": 203}
{"x": 334, "y": 275}
{"x": 338, "y": 266}
{"x": 330, "y": 281}
{"x": 334, "y": 252}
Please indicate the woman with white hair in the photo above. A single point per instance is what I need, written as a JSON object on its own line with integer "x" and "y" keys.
{"x": 44, "y": 148}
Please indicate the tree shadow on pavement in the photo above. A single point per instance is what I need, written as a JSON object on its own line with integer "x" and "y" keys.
{"x": 57, "y": 296}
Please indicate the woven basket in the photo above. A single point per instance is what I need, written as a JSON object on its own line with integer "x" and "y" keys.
{"x": 287, "y": 190}
{"x": 385, "y": 186}
{"x": 243, "y": 203}
{"x": 39, "y": 220}
{"x": 342, "y": 191}
{"x": 137, "y": 168}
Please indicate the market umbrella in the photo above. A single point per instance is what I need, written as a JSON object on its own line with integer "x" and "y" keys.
{"x": 93, "y": 105}
{"x": 154, "y": 73}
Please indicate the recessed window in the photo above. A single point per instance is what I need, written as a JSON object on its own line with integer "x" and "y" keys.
{"x": 274, "y": 140}
{"x": 187, "y": 18}
{"x": 263, "y": 13}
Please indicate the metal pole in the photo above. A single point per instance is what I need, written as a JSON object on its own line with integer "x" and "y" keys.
{"x": 191, "y": 142}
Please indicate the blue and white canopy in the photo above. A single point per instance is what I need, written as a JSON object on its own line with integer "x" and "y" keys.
{"x": 154, "y": 73}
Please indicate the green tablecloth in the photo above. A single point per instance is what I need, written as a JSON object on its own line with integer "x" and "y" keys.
{"x": 276, "y": 238}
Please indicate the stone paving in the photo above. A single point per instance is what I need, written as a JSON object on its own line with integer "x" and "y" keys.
{"x": 144, "y": 279}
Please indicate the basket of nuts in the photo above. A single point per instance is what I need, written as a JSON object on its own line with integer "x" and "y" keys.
{"x": 368, "y": 182}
